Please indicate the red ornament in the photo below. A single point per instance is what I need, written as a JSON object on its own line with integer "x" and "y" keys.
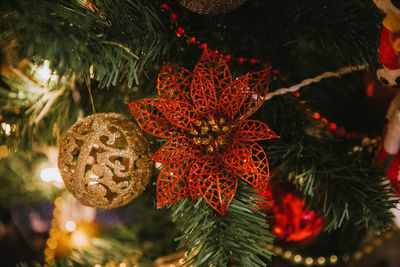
{"x": 227, "y": 58}
{"x": 180, "y": 32}
{"x": 210, "y": 141}
{"x": 252, "y": 61}
{"x": 293, "y": 221}
{"x": 389, "y": 46}
{"x": 174, "y": 17}
{"x": 388, "y": 55}
{"x": 165, "y": 6}
{"x": 203, "y": 46}
{"x": 193, "y": 40}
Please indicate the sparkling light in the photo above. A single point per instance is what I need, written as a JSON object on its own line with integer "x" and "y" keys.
{"x": 321, "y": 260}
{"x": 6, "y": 128}
{"x": 44, "y": 72}
{"x": 79, "y": 239}
{"x": 297, "y": 258}
{"x": 333, "y": 258}
{"x": 50, "y": 175}
{"x": 70, "y": 226}
{"x": 309, "y": 261}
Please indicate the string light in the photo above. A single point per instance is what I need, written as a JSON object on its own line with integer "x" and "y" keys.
{"x": 54, "y": 233}
{"x": 65, "y": 236}
{"x": 331, "y": 259}
{"x": 75, "y": 236}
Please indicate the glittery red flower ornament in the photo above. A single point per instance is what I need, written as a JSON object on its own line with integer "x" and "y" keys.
{"x": 293, "y": 222}
{"x": 210, "y": 142}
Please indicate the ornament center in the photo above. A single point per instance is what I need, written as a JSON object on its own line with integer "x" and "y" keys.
{"x": 211, "y": 135}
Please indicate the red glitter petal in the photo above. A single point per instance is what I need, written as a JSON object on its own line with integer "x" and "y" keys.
{"x": 210, "y": 76}
{"x": 259, "y": 175}
{"x": 174, "y": 83}
{"x": 258, "y": 84}
{"x": 238, "y": 158}
{"x": 216, "y": 184}
{"x": 149, "y": 117}
{"x": 176, "y": 150}
{"x": 233, "y": 96}
{"x": 171, "y": 184}
{"x": 179, "y": 113}
{"x": 251, "y": 130}
{"x": 203, "y": 93}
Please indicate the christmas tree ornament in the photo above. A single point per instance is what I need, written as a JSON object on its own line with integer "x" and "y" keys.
{"x": 210, "y": 141}
{"x": 388, "y": 156}
{"x": 293, "y": 222}
{"x": 389, "y": 46}
{"x": 104, "y": 160}
{"x": 211, "y": 7}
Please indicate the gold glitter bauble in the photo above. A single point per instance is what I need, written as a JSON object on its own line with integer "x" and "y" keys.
{"x": 104, "y": 160}
{"x": 211, "y": 7}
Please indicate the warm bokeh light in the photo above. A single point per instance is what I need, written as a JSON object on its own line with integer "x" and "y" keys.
{"x": 50, "y": 175}
{"x": 6, "y": 128}
{"x": 44, "y": 72}
{"x": 70, "y": 226}
{"x": 79, "y": 239}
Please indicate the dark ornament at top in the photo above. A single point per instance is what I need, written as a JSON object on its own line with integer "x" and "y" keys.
{"x": 211, "y": 7}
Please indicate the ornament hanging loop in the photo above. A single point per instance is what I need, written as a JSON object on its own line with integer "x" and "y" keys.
{"x": 90, "y": 94}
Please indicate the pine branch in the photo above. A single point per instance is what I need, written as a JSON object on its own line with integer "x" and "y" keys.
{"x": 292, "y": 34}
{"x": 220, "y": 240}
{"x": 18, "y": 183}
{"x": 346, "y": 188}
{"x": 42, "y": 108}
{"x": 120, "y": 39}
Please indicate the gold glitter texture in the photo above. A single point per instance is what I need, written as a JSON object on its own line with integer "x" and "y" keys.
{"x": 211, "y": 7}
{"x": 104, "y": 160}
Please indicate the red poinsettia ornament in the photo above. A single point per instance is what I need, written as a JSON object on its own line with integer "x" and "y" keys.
{"x": 211, "y": 143}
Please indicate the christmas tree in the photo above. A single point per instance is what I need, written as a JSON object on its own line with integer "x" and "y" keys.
{"x": 198, "y": 133}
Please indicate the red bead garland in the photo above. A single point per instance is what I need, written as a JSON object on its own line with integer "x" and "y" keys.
{"x": 331, "y": 127}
